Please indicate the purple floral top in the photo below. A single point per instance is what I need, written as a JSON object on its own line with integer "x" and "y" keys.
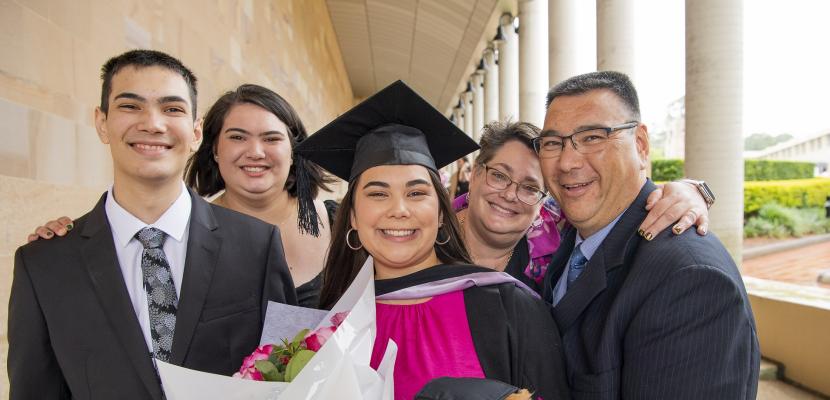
{"x": 542, "y": 237}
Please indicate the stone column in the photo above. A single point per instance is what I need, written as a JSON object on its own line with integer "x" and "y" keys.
{"x": 469, "y": 118}
{"x": 615, "y": 36}
{"x": 563, "y": 40}
{"x": 491, "y": 86}
{"x": 458, "y": 112}
{"x": 477, "y": 80}
{"x": 714, "y": 126}
{"x": 533, "y": 60}
{"x": 508, "y": 47}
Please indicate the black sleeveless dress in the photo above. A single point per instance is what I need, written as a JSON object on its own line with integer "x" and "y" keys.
{"x": 308, "y": 294}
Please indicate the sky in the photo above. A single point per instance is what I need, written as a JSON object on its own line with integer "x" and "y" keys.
{"x": 786, "y": 61}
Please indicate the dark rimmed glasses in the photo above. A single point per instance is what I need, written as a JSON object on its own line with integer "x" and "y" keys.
{"x": 497, "y": 179}
{"x": 586, "y": 141}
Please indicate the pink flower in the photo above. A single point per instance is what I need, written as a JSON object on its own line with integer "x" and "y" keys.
{"x": 250, "y": 374}
{"x": 248, "y": 370}
{"x": 338, "y": 318}
{"x": 315, "y": 340}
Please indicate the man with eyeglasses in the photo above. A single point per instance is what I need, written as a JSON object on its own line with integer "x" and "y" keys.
{"x": 666, "y": 318}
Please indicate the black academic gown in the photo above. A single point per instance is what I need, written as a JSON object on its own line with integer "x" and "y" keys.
{"x": 515, "y": 337}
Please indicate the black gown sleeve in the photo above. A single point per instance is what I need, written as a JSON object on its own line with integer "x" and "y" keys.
{"x": 516, "y": 340}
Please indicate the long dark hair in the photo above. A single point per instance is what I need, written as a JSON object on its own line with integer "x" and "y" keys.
{"x": 202, "y": 171}
{"x": 343, "y": 263}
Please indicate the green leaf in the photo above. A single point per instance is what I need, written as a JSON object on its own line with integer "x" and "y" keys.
{"x": 297, "y": 363}
{"x": 269, "y": 371}
{"x": 299, "y": 338}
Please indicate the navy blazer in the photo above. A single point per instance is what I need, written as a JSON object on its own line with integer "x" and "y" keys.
{"x": 73, "y": 332}
{"x": 661, "y": 319}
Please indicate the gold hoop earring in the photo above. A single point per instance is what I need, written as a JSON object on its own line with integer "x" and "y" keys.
{"x": 348, "y": 242}
{"x": 447, "y": 240}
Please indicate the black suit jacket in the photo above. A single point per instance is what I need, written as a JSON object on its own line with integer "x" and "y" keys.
{"x": 665, "y": 319}
{"x": 73, "y": 332}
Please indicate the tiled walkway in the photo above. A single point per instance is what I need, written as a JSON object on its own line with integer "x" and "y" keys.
{"x": 777, "y": 390}
{"x": 800, "y": 266}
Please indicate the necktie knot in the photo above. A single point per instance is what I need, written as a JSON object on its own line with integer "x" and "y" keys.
{"x": 576, "y": 265}
{"x": 151, "y": 238}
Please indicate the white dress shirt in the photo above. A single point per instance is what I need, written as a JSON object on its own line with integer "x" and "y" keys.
{"x": 175, "y": 223}
{"x": 589, "y": 246}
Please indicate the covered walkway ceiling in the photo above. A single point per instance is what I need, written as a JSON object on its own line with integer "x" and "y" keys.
{"x": 432, "y": 45}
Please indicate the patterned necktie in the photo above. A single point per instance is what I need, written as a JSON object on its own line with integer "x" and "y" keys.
{"x": 161, "y": 292}
{"x": 576, "y": 265}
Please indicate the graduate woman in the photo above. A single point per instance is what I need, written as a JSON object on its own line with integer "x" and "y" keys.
{"x": 449, "y": 318}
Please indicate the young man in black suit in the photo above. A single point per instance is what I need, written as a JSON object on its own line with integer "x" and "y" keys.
{"x": 153, "y": 271}
{"x": 663, "y": 317}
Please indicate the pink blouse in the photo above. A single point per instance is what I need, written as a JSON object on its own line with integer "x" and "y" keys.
{"x": 433, "y": 340}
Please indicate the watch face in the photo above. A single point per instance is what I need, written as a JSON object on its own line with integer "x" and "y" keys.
{"x": 706, "y": 192}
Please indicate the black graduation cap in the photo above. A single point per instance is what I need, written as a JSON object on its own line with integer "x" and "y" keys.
{"x": 446, "y": 388}
{"x": 394, "y": 127}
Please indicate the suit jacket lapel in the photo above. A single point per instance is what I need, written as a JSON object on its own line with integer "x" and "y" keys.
{"x": 617, "y": 247}
{"x": 582, "y": 291}
{"x": 203, "y": 246}
{"x": 101, "y": 261}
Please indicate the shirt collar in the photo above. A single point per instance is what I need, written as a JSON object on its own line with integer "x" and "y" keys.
{"x": 592, "y": 243}
{"x": 173, "y": 222}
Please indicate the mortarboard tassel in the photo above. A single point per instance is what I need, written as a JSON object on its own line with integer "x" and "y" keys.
{"x": 307, "y": 219}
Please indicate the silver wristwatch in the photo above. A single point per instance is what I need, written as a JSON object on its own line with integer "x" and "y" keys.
{"x": 703, "y": 188}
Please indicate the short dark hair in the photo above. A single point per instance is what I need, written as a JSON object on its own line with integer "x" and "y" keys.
{"x": 496, "y": 134}
{"x": 202, "y": 171}
{"x": 343, "y": 263}
{"x": 616, "y": 82}
{"x": 142, "y": 59}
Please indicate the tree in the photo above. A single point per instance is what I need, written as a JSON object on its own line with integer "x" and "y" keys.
{"x": 760, "y": 141}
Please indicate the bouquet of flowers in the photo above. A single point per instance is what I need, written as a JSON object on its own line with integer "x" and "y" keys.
{"x": 330, "y": 361}
{"x": 283, "y": 362}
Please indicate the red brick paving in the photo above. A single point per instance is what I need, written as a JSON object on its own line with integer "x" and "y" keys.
{"x": 801, "y": 266}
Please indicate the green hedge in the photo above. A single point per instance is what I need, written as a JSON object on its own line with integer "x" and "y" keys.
{"x": 766, "y": 170}
{"x": 796, "y": 193}
{"x": 777, "y": 221}
{"x": 667, "y": 170}
{"x": 754, "y": 170}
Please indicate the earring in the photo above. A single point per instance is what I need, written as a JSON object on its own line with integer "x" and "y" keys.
{"x": 349, "y": 243}
{"x": 447, "y": 240}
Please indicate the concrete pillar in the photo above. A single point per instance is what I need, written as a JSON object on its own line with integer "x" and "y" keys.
{"x": 563, "y": 40}
{"x": 491, "y": 86}
{"x": 714, "y": 126}
{"x": 458, "y": 112}
{"x": 615, "y": 36}
{"x": 533, "y": 60}
{"x": 469, "y": 118}
{"x": 477, "y": 80}
{"x": 508, "y": 47}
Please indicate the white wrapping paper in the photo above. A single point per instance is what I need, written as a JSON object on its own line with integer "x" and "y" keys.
{"x": 339, "y": 370}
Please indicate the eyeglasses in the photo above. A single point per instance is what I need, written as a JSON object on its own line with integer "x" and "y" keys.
{"x": 585, "y": 141}
{"x": 499, "y": 180}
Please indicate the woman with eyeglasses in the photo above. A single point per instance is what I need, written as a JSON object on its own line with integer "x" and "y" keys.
{"x": 510, "y": 224}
